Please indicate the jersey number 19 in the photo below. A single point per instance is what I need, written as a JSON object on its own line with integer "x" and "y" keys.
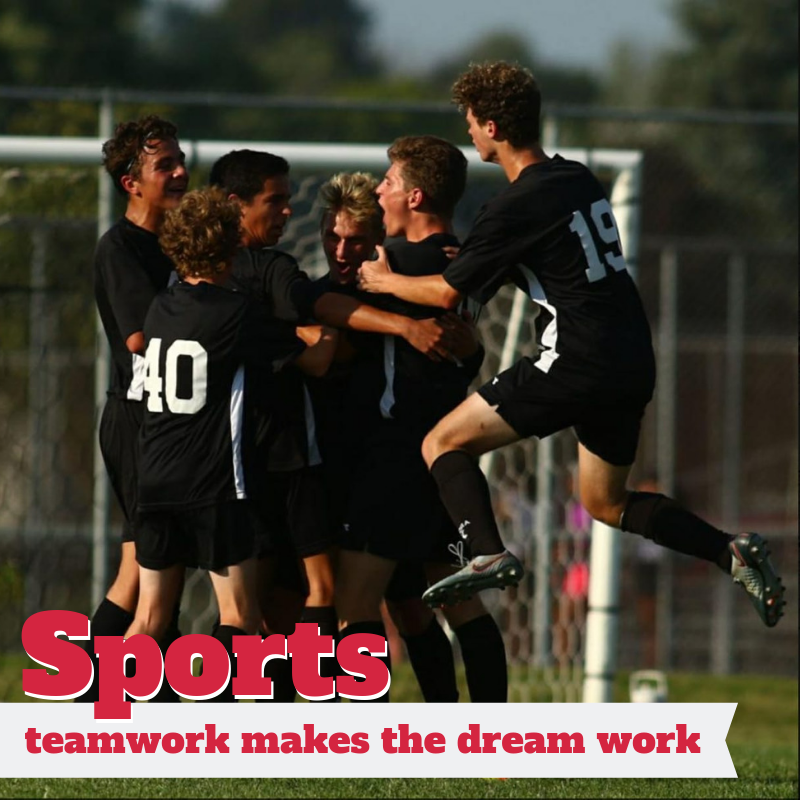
{"x": 159, "y": 389}
{"x": 599, "y": 235}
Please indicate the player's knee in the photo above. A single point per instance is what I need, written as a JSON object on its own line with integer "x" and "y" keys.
{"x": 602, "y": 509}
{"x": 435, "y": 444}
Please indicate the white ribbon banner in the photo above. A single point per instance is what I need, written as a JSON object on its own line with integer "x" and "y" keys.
{"x": 370, "y": 740}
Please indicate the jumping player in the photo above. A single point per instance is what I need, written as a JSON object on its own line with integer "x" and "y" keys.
{"x": 552, "y": 232}
{"x": 147, "y": 166}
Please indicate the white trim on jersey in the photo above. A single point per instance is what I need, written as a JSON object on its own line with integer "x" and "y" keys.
{"x": 550, "y": 333}
{"x": 314, "y": 455}
{"x": 136, "y": 387}
{"x": 387, "y": 398}
{"x": 237, "y": 415}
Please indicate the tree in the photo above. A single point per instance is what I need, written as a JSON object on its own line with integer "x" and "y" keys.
{"x": 739, "y": 56}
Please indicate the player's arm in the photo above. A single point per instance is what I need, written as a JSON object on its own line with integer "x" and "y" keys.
{"x": 426, "y": 335}
{"x": 321, "y": 343}
{"x": 427, "y": 290}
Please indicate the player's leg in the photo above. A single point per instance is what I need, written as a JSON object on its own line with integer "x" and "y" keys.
{"x": 482, "y": 648}
{"x": 429, "y": 650}
{"x": 451, "y": 451}
{"x": 655, "y": 516}
{"x": 361, "y": 581}
{"x": 159, "y": 590}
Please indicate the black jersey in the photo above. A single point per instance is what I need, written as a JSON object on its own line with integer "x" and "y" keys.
{"x": 415, "y": 388}
{"x": 204, "y": 346}
{"x": 129, "y": 271}
{"x": 285, "y": 426}
{"x": 552, "y": 232}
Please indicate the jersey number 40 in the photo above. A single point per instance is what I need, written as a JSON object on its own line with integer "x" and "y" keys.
{"x": 599, "y": 234}
{"x": 160, "y": 389}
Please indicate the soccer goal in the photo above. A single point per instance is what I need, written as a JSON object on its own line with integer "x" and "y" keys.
{"x": 544, "y": 619}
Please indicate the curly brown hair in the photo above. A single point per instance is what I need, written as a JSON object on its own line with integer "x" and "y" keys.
{"x": 122, "y": 153}
{"x": 202, "y": 234}
{"x": 505, "y": 93}
{"x": 433, "y": 165}
{"x": 354, "y": 194}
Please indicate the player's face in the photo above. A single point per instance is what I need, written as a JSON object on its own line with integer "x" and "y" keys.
{"x": 163, "y": 179}
{"x": 483, "y": 142}
{"x": 347, "y": 243}
{"x": 393, "y": 198}
{"x": 264, "y": 217}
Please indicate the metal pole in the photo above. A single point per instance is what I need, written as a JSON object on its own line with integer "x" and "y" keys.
{"x": 605, "y": 559}
{"x": 37, "y": 407}
{"x": 722, "y": 637}
{"x": 665, "y": 440}
{"x": 100, "y": 507}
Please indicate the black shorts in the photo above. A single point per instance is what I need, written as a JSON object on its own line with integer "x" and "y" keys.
{"x": 394, "y": 509}
{"x": 606, "y": 418}
{"x": 211, "y": 537}
{"x": 291, "y": 508}
{"x": 119, "y": 445}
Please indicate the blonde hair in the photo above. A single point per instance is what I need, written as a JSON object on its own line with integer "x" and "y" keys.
{"x": 353, "y": 193}
{"x": 202, "y": 234}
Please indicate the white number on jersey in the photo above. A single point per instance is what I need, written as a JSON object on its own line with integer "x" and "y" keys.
{"x": 602, "y": 231}
{"x": 167, "y": 388}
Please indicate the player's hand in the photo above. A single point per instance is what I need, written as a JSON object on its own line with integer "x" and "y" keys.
{"x": 371, "y": 277}
{"x": 451, "y": 251}
{"x": 430, "y": 337}
{"x": 462, "y": 334}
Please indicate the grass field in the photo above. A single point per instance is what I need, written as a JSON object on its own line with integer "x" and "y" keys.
{"x": 762, "y": 740}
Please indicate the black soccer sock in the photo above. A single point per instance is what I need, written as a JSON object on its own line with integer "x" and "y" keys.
{"x": 465, "y": 495}
{"x": 166, "y": 694}
{"x": 484, "y": 656}
{"x": 325, "y": 617}
{"x": 431, "y": 658}
{"x": 380, "y": 630}
{"x": 280, "y": 671}
{"x": 667, "y": 523}
{"x": 109, "y": 620}
{"x": 225, "y": 634}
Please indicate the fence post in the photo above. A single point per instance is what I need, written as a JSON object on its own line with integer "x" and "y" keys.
{"x": 100, "y": 505}
{"x": 722, "y": 653}
{"x": 666, "y": 407}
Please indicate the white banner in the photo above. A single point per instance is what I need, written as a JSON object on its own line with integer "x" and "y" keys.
{"x": 369, "y": 740}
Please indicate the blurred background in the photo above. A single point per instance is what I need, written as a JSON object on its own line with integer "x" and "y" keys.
{"x": 705, "y": 90}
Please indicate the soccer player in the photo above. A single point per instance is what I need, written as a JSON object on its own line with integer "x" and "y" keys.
{"x": 553, "y": 233}
{"x": 394, "y": 513}
{"x": 286, "y": 463}
{"x": 205, "y": 346}
{"x": 147, "y": 166}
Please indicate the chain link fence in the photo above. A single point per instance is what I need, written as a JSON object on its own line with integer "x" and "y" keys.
{"x": 721, "y": 434}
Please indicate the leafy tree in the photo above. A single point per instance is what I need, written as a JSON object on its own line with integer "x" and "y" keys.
{"x": 739, "y": 56}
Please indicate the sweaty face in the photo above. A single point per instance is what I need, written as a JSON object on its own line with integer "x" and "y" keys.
{"x": 264, "y": 217}
{"x": 162, "y": 177}
{"x": 346, "y": 244}
{"x": 484, "y": 143}
{"x": 393, "y": 199}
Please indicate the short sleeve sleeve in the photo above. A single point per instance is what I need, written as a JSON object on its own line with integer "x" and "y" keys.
{"x": 128, "y": 288}
{"x": 489, "y": 254}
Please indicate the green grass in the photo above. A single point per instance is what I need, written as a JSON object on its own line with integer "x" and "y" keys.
{"x": 762, "y": 741}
